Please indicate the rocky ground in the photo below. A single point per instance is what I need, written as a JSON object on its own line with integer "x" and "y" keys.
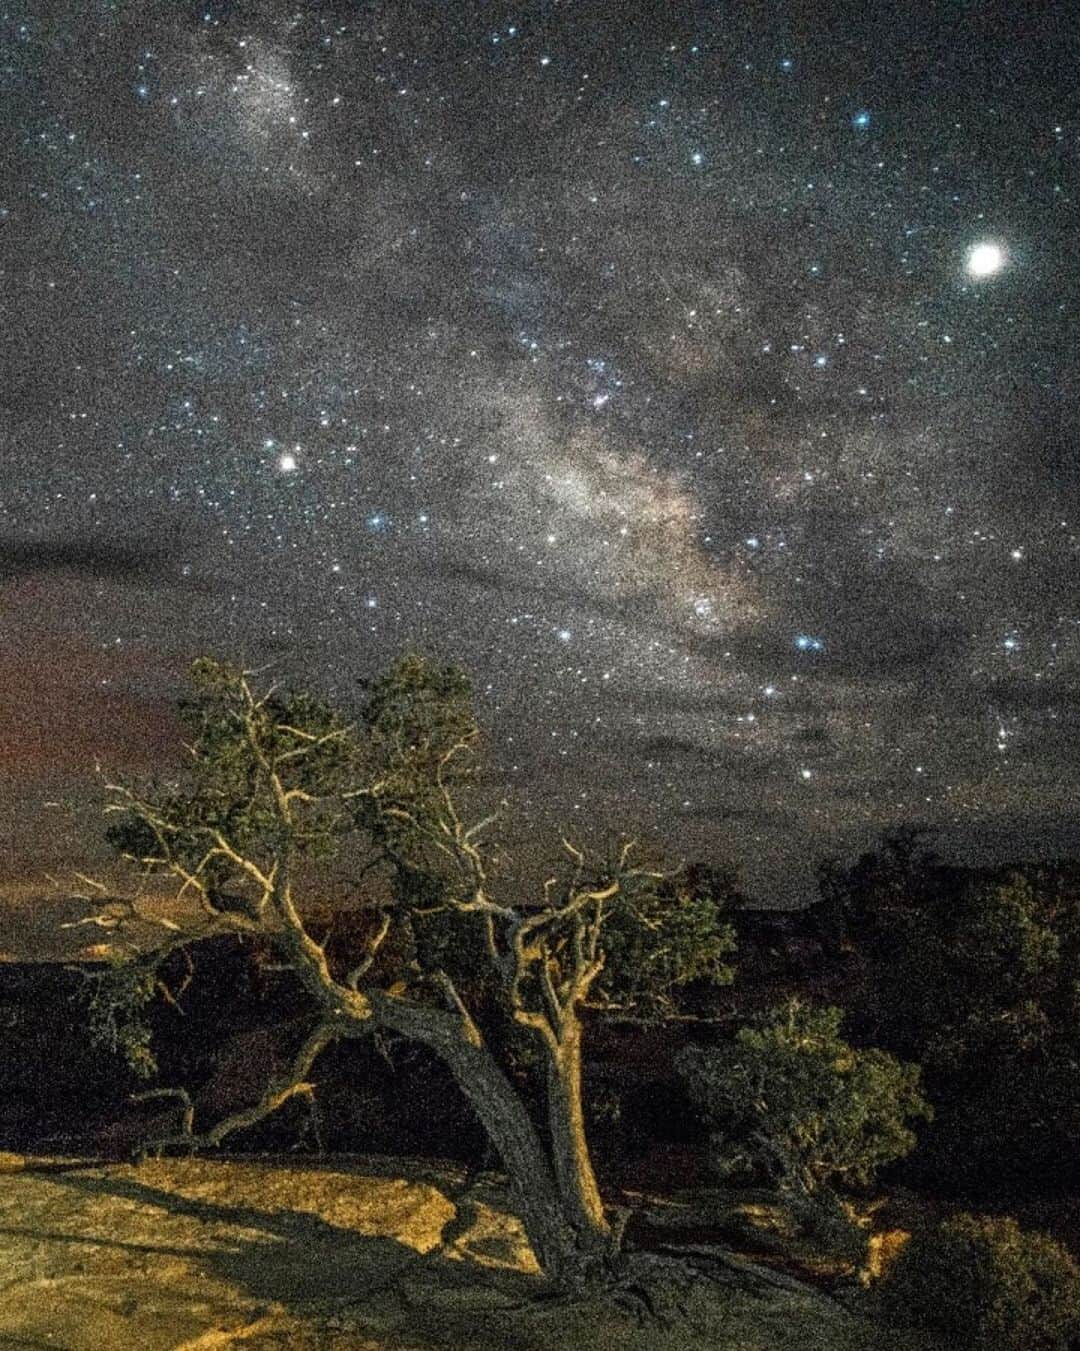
{"x": 213, "y": 1253}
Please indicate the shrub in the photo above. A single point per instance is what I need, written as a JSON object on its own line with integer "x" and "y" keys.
{"x": 981, "y": 1281}
{"x": 790, "y": 1102}
{"x": 974, "y": 973}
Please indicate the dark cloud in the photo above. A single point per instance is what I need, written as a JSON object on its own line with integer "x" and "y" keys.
{"x": 117, "y": 562}
{"x": 138, "y": 563}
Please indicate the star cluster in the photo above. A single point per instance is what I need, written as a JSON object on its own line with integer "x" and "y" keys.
{"x": 704, "y": 383}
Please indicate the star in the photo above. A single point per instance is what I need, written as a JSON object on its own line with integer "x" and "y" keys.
{"x": 985, "y": 259}
{"x": 561, "y": 342}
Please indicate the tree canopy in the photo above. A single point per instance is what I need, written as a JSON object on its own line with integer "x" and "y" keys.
{"x": 279, "y": 785}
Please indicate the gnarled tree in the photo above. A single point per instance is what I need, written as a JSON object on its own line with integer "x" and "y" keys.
{"x": 278, "y": 786}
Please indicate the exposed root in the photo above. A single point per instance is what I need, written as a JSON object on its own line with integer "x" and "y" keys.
{"x": 748, "y": 1273}
{"x": 655, "y": 1288}
{"x": 651, "y": 1289}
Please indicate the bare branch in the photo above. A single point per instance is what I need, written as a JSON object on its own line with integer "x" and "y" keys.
{"x": 556, "y": 1011}
{"x": 312, "y": 739}
{"x": 468, "y": 1027}
{"x": 352, "y": 980}
{"x": 482, "y": 824}
{"x": 187, "y": 1119}
{"x": 277, "y": 1092}
{"x": 574, "y": 852}
{"x": 266, "y": 881}
{"x": 93, "y": 882}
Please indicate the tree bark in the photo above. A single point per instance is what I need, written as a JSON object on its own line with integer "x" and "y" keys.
{"x": 566, "y": 1246}
{"x": 558, "y": 1199}
{"x": 570, "y": 1150}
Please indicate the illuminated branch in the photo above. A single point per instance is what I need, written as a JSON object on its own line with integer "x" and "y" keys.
{"x": 469, "y": 1030}
{"x": 353, "y": 979}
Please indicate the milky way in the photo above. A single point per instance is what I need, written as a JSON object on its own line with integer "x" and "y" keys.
{"x": 705, "y": 384}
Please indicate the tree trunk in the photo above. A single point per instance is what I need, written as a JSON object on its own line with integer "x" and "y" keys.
{"x": 566, "y": 1120}
{"x": 566, "y": 1249}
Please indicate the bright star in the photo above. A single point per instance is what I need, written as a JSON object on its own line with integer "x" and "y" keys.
{"x": 985, "y": 259}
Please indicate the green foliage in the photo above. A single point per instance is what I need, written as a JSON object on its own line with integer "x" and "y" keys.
{"x": 117, "y": 1001}
{"x": 962, "y": 962}
{"x": 658, "y": 940}
{"x": 422, "y": 738}
{"x": 882, "y": 883}
{"x": 985, "y": 1282}
{"x": 957, "y": 971}
{"x": 234, "y": 745}
{"x": 417, "y": 711}
{"x": 791, "y": 1102}
{"x": 383, "y": 774}
{"x": 974, "y": 973}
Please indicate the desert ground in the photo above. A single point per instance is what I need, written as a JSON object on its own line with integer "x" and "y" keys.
{"x": 201, "y": 1253}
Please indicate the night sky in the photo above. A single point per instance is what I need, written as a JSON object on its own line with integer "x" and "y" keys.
{"x": 702, "y": 377}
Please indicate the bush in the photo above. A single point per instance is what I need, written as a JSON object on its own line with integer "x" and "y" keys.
{"x": 980, "y": 1281}
{"x": 974, "y": 973}
{"x": 793, "y": 1104}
